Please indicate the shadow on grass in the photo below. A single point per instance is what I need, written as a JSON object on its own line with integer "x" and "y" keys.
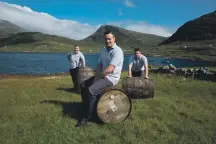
{"x": 71, "y": 90}
{"x": 71, "y": 109}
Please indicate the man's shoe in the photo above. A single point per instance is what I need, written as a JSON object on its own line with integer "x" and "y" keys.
{"x": 81, "y": 123}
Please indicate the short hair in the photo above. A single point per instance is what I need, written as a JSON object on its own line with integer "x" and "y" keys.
{"x": 108, "y": 32}
{"x": 136, "y": 49}
{"x": 76, "y": 46}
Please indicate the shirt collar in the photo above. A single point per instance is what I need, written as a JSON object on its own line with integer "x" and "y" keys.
{"x": 111, "y": 47}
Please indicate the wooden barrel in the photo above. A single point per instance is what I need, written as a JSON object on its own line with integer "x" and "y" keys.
{"x": 138, "y": 87}
{"x": 113, "y": 106}
{"x": 84, "y": 73}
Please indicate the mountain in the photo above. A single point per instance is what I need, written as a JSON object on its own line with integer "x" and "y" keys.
{"x": 36, "y": 41}
{"x": 7, "y": 29}
{"x": 201, "y": 28}
{"x": 196, "y": 39}
{"x": 126, "y": 38}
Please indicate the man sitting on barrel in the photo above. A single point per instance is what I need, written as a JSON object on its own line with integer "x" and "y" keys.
{"x": 76, "y": 60}
{"x": 110, "y": 64}
{"x": 138, "y": 65}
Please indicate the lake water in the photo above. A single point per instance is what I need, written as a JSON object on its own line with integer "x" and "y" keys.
{"x": 44, "y": 63}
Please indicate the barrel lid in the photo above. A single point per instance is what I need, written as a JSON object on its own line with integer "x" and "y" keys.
{"x": 114, "y": 106}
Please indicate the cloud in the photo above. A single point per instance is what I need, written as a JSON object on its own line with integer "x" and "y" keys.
{"x": 120, "y": 13}
{"x": 42, "y": 22}
{"x": 144, "y": 27}
{"x": 129, "y": 3}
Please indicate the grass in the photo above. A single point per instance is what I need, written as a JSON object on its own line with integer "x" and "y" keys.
{"x": 182, "y": 111}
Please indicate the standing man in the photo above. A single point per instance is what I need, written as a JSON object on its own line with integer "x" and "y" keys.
{"x": 138, "y": 65}
{"x": 110, "y": 64}
{"x": 76, "y": 60}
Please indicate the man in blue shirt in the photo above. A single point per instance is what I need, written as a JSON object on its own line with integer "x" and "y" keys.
{"x": 110, "y": 63}
{"x": 138, "y": 65}
{"x": 76, "y": 60}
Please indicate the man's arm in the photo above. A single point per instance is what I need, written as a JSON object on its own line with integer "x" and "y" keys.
{"x": 99, "y": 67}
{"x": 130, "y": 67}
{"x": 146, "y": 70}
{"x": 83, "y": 60}
{"x": 146, "y": 67}
{"x": 99, "y": 64}
{"x": 109, "y": 69}
{"x": 69, "y": 57}
{"x": 129, "y": 70}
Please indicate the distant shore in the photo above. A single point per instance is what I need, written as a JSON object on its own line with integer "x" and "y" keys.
{"x": 192, "y": 58}
{"x": 23, "y": 76}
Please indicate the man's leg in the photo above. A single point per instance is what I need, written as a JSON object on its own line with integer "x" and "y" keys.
{"x": 72, "y": 76}
{"x": 84, "y": 94}
{"x": 94, "y": 91}
{"x": 136, "y": 74}
{"x": 89, "y": 96}
{"x": 75, "y": 78}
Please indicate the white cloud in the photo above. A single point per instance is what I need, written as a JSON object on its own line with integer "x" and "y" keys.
{"x": 129, "y": 3}
{"x": 43, "y": 22}
{"x": 143, "y": 27}
{"x": 120, "y": 13}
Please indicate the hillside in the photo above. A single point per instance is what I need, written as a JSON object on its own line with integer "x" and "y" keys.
{"x": 126, "y": 38}
{"x": 202, "y": 28}
{"x": 196, "y": 39}
{"x": 8, "y": 29}
{"x": 38, "y": 42}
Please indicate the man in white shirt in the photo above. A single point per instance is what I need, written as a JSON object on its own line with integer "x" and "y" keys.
{"x": 76, "y": 60}
{"x": 110, "y": 64}
{"x": 138, "y": 65}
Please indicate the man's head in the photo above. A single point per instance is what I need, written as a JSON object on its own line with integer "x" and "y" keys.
{"x": 137, "y": 52}
{"x": 109, "y": 38}
{"x": 76, "y": 49}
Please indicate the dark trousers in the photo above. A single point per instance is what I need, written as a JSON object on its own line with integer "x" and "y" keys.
{"x": 90, "y": 92}
{"x": 137, "y": 73}
{"x": 73, "y": 73}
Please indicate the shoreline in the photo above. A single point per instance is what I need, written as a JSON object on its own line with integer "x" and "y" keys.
{"x": 193, "y": 58}
{"x": 23, "y": 76}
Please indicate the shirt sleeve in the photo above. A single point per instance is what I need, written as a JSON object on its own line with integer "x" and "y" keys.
{"x": 82, "y": 57}
{"x": 130, "y": 60}
{"x": 117, "y": 57}
{"x": 69, "y": 56}
{"x": 145, "y": 61}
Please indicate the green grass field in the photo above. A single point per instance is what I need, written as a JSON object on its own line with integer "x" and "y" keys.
{"x": 182, "y": 111}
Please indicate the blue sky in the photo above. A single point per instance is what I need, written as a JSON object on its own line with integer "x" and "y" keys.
{"x": 163, "y": 12}
{"x": 166, "y": 13}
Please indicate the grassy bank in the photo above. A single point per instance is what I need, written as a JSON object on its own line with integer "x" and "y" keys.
{"x": 182, "y": 111}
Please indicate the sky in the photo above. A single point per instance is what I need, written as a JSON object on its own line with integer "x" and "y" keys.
{"x": 78, "y": 19}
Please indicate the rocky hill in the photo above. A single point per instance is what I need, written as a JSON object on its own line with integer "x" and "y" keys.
{"x": 8, "y": 29}
{"x": 201, "y": 28}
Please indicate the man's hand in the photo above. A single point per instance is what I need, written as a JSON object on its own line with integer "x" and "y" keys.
{"x": 129, "y": 70}
{"x": 108, "y": 70}
{"x": 129, "y": 75}
{"x": 146, "y": 77}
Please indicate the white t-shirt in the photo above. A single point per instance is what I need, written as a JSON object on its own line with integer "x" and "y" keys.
{"x": 138, "y": 62}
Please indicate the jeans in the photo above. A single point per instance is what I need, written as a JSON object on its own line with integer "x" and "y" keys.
{"x": 90, "y": 92}
{"x": 73, "y": 73}
{"x": 137, "y": 73}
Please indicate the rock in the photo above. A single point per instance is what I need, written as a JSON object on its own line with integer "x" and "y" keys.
{"x": 180, "y": 71}
{"x": 172, "y": 67}
{"x": 171, "y": 71}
